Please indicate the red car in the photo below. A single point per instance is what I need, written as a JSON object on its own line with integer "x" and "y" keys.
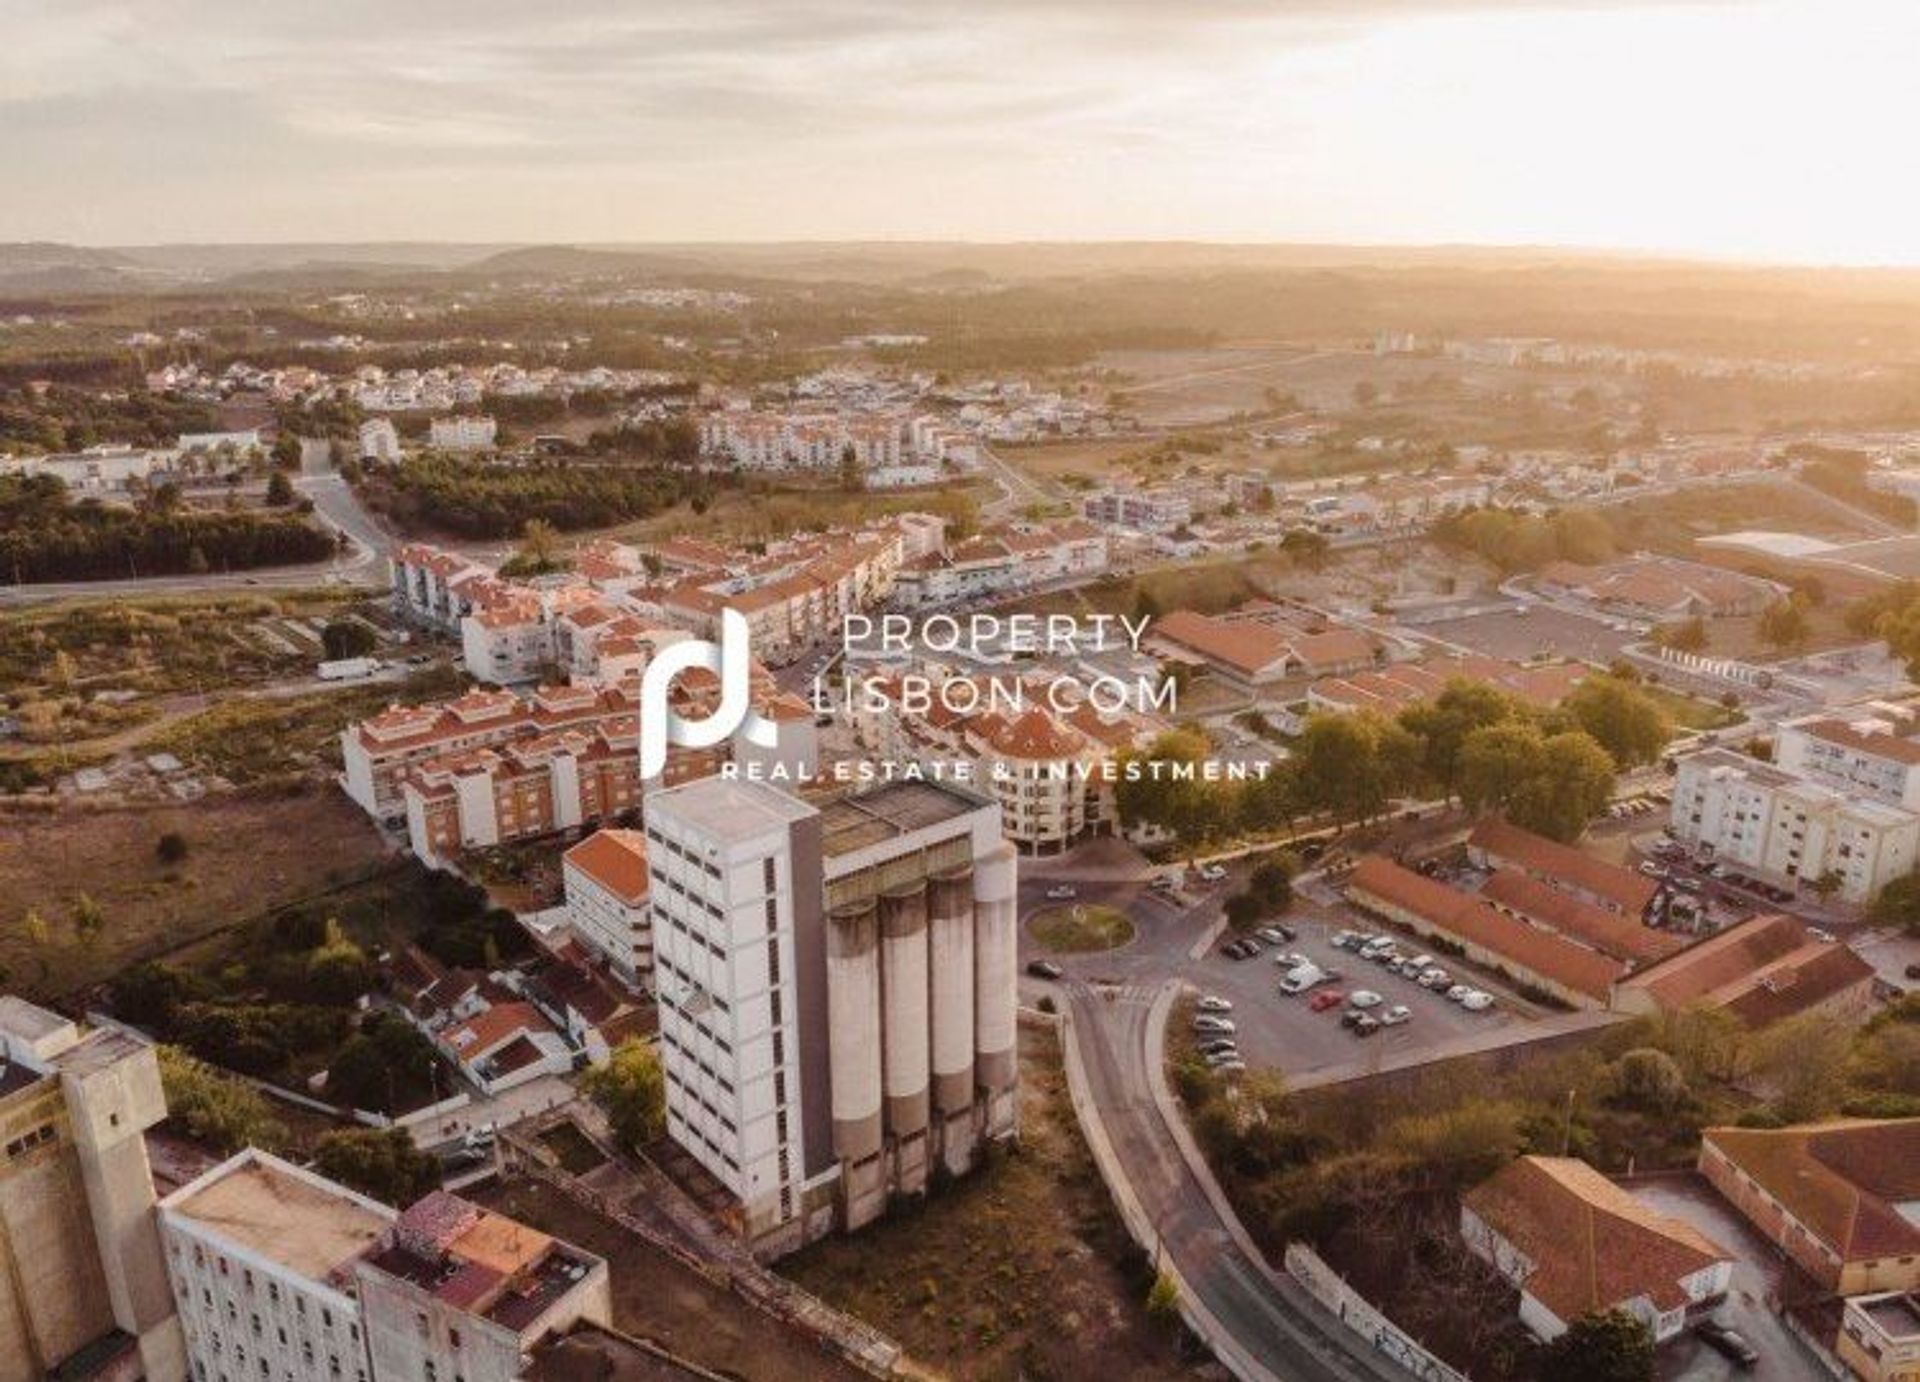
{"x": 1326, "y": 998}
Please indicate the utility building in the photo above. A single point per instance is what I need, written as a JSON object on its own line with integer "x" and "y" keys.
{"x": 837, "y": 986}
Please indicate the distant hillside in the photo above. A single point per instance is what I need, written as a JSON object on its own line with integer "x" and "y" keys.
{"x": 39, "y": 267}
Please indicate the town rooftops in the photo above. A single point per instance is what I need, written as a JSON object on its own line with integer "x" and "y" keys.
{"x": 1619, "y": 936}
{"x": 1873, "y": 737}
{"x": 1853, "y": 1183}
{"x": 260, "y": 1203}
{"x": 857, "y": 820}
{"x": 1245, "y": 645}
{"x": 1033, "y": 734}
{"x": 616, "y": 860}
{"x": 1543, "y": 953}
{"x": 1762, "y": 969}
{"x": 1563, "y": 866}
{"x": 1592, "y": 1245}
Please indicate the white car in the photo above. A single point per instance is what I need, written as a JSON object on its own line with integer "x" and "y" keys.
{"x": 1060, "y": 891}
{"x": 1477, "y": 1001}
{"x": 1213, "y": 1003}
{"x": 1395, "y": 1015}
{"x": 1435, "y": 978}
{"x": 1230, "y": 1067}
{"x": 1216, "y": 1059}
{"x": 1376, "y": 947}
{"x": 1458, "y": 993}
{"x": 1213, "y": 873}
{"x": 1365, "y": 998}
{"x": 1293, "y": 959}
{"x": 1214, "y": 1026}
{"x": 1300, "y": 980}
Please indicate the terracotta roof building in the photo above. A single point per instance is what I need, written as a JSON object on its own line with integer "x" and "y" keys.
{"x": 1576, "y": 1244}
{"x": 1496, "y": 843}
{"x": 1842, "y": 1199}
{"x": 606, "y": 883}
{"x": 1762, "y": 970}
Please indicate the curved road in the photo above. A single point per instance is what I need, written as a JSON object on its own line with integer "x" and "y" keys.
{"x": 1291, "y": 1336}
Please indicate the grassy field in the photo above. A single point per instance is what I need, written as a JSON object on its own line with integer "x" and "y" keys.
{"x": 244, "y": 856}
{"x": 1020, "y": 1271}
{"x": 1076, "y": 928}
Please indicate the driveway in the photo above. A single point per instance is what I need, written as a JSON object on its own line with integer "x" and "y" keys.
{"x": 1756, "y": 1269}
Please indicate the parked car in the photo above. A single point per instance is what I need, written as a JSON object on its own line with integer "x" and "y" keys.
{"x": 1395, "y": 1015}
{"x": 1300, "y": 980}
{"x": 1292, "y": 959}
{"x": 1240, "y": 950}
{"x": 1364, "y": 1025}
{"x": 1060, "y": 891}
{"x": 1365, "y": 998}
{"x": 1375, "y": 947}
{"x": 480, "y": 1138}
{"x": 1214, "y": 1025}
{"x": 1213, "y": 873}
{"x": 1653, "y": 870}
{"x": 1729, "y": 1343}
{"x": 1477, "y": 1001}
{"x": 1326, "y": 998}
{"x": 1216, "y": 1045}
{"x": 1220, "y": 1058}
{"x": 1213, "y": 1003}
{"x": 1344, "y": 940}
{"x": 1823, "y": 936}
{"x": 1274, "y": 933}
{"x": 1044, "y": 969}
{"x": 1231, "y": 1067}
{"x": 1164, "y": 883}
{"x": 1459, "y": 992}
{"x": 1435, "y": 978}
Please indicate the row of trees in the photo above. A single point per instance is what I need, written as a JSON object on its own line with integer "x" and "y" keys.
{"x": 45, "y": 536}
{"x": 1526, "y": 542}
{"x": 1550, "y": 771}
{"x": 499, "y": 501}
{"x": 69, "y": 419}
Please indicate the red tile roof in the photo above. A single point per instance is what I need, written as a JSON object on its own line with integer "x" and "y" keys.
{"x": 1605, "y": 931}
{"x": 616, "y": 860}
{"x": 1468, "y": 919}
{"x": 1593, "y": 1246}
{"x": 1842, "y": 1180}
{"x": 1562, "y": 865}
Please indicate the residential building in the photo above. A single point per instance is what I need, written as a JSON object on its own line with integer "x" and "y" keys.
{"x": 1041, "y": 770}
{"x": 1871, "y": 751}
{"x": 1575, "y": 1244}
{"x": 1789, "y": 829}
{"x": 464, "y": 433}
{"x": 1880, "y": 1337}
{"x": 606, "y": 888}
{"x": 284, "y": 1275}
{"x": 1263, "y": 644}
{"x": 1841, "y": 1199}
{"x": 1141, "y": 511}
{"x": 83, "y": 1290}
{"x": 1761, "y": 970}
{"x": 379, "y": 441}
{"x": 836, "y": 988}
{"x": 457, "y": 1292}
{"x": 260, "y": 1255}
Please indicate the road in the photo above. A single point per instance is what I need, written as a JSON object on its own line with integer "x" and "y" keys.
{"x": 362, "y": 563}
{"x": 1271, "y": 1318}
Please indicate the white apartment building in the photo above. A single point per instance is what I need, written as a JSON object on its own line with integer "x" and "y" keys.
{"x": 465, "y": 433}
{"x": 1141, "y": 511}
{"x": 1767, "y": 821}
{"x": 281, "y": 1275}
{"x": 836, "y": 990}
{"x": 606, "y": 886}
{"x": 260, "y": 1256}
{"x": 379, "y": 441}
{"x": 1869, "y": 750}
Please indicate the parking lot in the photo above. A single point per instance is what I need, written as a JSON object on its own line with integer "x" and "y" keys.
{"x": 1271, "y": 1030}
{"x": 1542, "y": 629}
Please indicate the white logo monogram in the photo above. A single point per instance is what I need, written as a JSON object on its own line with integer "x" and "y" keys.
{"x": 660, "y": 725}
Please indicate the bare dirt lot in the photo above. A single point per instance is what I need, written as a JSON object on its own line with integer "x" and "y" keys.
{"x": 244, "y": 856}
{"x": 1021, "y": 1271}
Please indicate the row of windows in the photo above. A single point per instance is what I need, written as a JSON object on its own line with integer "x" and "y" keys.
{"x": 27, "y": 1141}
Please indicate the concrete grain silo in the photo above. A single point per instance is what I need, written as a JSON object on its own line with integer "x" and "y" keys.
{"x": 907, "y": 1026}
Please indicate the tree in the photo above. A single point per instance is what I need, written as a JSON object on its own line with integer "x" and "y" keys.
{"x": 171, "y": 848}
{"x": 1243, "y": 911}
{"x": 1898, "y": 904}
{"x": 631, "y": 1089}
{"x": 285, "y": 454}
{"x": 213, "y": 1108}
{"x": 1623, "y": 718}
{"x": 1495, "y": 762}
{"x": 1574, "y": 785}
{"x": 344, "y": 638}
{"x": 1801, "y": 1060}
{"x": 1353, "y": 764}
{"x": 1163, "y": 1298}
{"x": 337, "y": 970}
{"x": 1688, "y": 636}
{"x": 853, "y": 476}
{"x": 539, "y": 541}
{"x": 1443, "y": 724}
{"x": 279, "y": 489}
{"x": 1784, "y": 623}
{"x": 381, "y": 1163}
{"x": 382, "y": 1067}
{"x": 1614, "y": 1347}
{"x": 1649, "y": 1080}
{"x": 1305, "y": 547}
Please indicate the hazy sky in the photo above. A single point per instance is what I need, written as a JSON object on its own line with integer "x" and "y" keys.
{"x": 1764, "y": 128}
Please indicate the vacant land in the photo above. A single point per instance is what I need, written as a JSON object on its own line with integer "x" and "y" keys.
{"x": 244, "y": 856}
{"x": 656, "y": 1298}
{"x": 1021, "y": 1271}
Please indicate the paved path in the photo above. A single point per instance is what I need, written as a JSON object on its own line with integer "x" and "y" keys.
{"x": 1278, "y": 1332}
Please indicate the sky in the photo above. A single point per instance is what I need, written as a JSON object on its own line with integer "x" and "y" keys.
{"x": 1756, "y": 129}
